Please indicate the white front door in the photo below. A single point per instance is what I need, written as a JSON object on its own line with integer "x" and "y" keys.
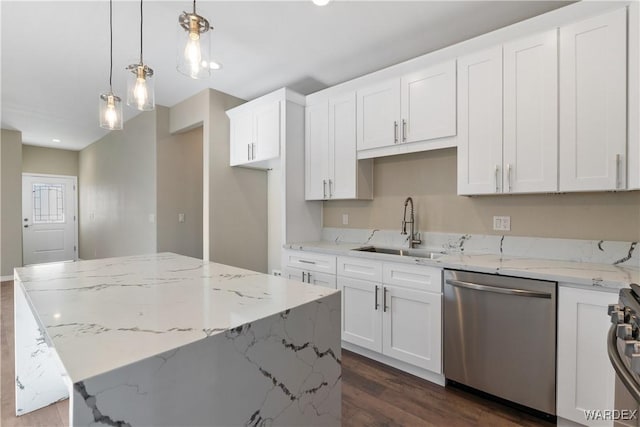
{"x": 49, "y": 231}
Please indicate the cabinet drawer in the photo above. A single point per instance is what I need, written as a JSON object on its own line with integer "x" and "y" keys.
{"x": 358, "y": 268}
{"x": 412, "y": 276}
{"x": 310, "y": 261}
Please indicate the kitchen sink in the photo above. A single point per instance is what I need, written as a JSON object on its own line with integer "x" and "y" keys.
{"x": 418, "y": 253}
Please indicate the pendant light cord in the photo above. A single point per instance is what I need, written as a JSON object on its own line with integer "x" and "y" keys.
{"x": 140, "y": 32}
{"x": 194, "y": 7}
{"x": 110, "y": 45}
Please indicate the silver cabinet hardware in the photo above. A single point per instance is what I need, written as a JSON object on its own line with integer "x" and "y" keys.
{"x": 308, "y": 277}
{"x": 330, "y": 193}
{"x": 303, "y": 276}
{"x": 404, "y": 130}
{"x": 496, "y": 173}
{"x": 324, "y": 188}
{"x": 395, "y": 132}
{"x": 618, "y": 170}
{"x": 509, "y": 177}
{"x": 253, "y": 151}
{"x": 304, "y": 261}
{"x": 376, "y": 305}
{"x": 248, "y": 151}
{"x": 384, "y": 300}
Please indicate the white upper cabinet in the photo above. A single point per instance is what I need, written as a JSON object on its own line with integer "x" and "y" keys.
{"x": 316, "y": 151}
{"x": 417, "y": 107}
{"x": 332, "y": 169}
{"x": 428, "y": 103}
{"x": 255, "y": 135}
{"x": 480, "y": 122}
{"x": 593, "y": 96}
{"x": 530, "y": 139}
{"x": 378, "y": 113}
{"x": 508, "y": 112}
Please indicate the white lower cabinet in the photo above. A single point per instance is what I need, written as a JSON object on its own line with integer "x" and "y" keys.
{"x": 401, "y": 322}
{"x": 311, "y": 277}
{"x": 585, "y": 379}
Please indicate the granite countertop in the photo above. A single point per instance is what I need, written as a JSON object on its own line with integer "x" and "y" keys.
{"x": 104, "y": 314}
{"x": 584, "y": 274}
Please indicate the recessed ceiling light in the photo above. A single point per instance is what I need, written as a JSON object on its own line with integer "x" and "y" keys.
{"x": 56, "y": 140}
{"x": 321, "y": 2}
{"x": 215, "y": 65}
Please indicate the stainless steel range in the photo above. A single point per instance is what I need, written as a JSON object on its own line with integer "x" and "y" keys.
{"x": 624, "y": 352}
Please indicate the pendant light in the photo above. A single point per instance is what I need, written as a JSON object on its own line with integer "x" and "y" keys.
{"x": 194, "y": 45}
{"x": 140, "y": 81}
{"x": 110, "y": 105}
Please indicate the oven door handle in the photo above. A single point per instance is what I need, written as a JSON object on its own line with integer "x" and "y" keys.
{"x": 498, "y": 290}
{"x": 618, "y": 365}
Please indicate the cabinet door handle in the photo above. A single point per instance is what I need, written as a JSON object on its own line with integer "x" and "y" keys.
{"x": 395, "y": 132}
{"x": 496, "y": 173}
{"x": 376, "y": 305}
{"x": 253, "y": 151}
{"x": 330, "y": 193}
{"x": 618, "y": 169}
{"x": 303, "y": 276}
{"x": 248, "y": 151}
{"x": 384, "y": 300}
{"x": 404, "y": 130}
{"x": 304, "y": 261}
{"x": 509, "y": 177}
{"x": 308, "y": 277}
{"x": 324, "y": 188}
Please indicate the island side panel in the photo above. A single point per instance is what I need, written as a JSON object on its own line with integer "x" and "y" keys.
{"x": 281, "y": 370}
{"x": 40, "y": 379}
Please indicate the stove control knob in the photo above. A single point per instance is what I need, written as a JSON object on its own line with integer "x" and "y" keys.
{"x": 613, "y": 307}
{"x": 635, "y": 363}
{"x": 624, "y": 331}
{"x": 617, "y": 317}
{"x": 631, "y": 347}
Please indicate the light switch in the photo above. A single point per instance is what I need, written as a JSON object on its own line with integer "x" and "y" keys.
{"x": 152, "y": 218}
{"x": 502, "y": 223}
{"x": 345, "y": 219}
{"x": 180, "y": 217}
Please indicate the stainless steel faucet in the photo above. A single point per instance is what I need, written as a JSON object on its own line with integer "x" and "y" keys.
{"x": 413, "y": 239}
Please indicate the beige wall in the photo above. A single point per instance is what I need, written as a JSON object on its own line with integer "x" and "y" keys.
{"x": 49, "y": 161}
{"x": 117, "y": 176}
{"x": 11, "y": 205}
{"x": 179, "y": 187}
{"x": 430, "y": 178}
{"x": 238, "y": 197}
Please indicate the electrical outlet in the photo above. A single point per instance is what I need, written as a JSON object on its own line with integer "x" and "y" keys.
{"x": 152, "y": 218}
{"x": 502, "y": 223}
{"x": 345, "y": 219}
{"x": 276, "y": 273}
{"x": 180, "y": 217}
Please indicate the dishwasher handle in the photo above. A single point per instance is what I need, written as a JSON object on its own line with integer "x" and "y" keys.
{"x": 496, "y": 289}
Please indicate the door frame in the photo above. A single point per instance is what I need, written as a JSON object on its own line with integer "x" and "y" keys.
{"x": 75, "y": 203}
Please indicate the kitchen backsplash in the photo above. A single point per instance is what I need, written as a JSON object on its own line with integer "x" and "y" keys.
{"x": 592, "y": 251}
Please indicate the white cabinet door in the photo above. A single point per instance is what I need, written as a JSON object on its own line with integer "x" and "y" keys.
{"x": 267, "y": 131}
{"x": 480, "y": 122}
{"x": 530, "y": 145}
{"x": 593, "y": 103}
{"x": 317, "y": 151}
{"x": 321, "y": 279}
{"x": 378, "y": 110}
{"x": 241, "y": 135}
{"x": 412, "y": 327}
{"x": 586, "y": 379}
{"x": 361, "y": 313}
{"x": 292, "y": 274}
{"x": 428, "y": 103}
{"x": 343, "y": 165}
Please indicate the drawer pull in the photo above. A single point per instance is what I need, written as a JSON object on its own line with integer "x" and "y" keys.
{"x": 304, "y": 261}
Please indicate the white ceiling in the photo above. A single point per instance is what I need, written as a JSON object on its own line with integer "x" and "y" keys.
{"x": 55, "y": 54}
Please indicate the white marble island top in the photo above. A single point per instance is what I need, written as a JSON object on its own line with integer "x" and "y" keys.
{"x": 104, "y": 314}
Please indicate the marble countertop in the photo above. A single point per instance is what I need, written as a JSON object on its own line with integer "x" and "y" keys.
{"x": 602, "y": 276}
{"x": 104, "y": 314}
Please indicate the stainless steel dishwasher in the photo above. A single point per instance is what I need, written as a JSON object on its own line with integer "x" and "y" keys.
{"x": 500, "y": 337}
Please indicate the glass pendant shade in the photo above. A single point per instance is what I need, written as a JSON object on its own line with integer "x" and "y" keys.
{"x": 194, "y": 46}
{"x": 140, "y": 93}
{"x": 110, "y": 111}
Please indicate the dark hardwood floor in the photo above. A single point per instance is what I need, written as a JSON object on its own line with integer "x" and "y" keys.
{"x": 372, "y": 394}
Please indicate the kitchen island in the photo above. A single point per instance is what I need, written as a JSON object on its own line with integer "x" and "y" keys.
{"x": 170, "y": 340}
